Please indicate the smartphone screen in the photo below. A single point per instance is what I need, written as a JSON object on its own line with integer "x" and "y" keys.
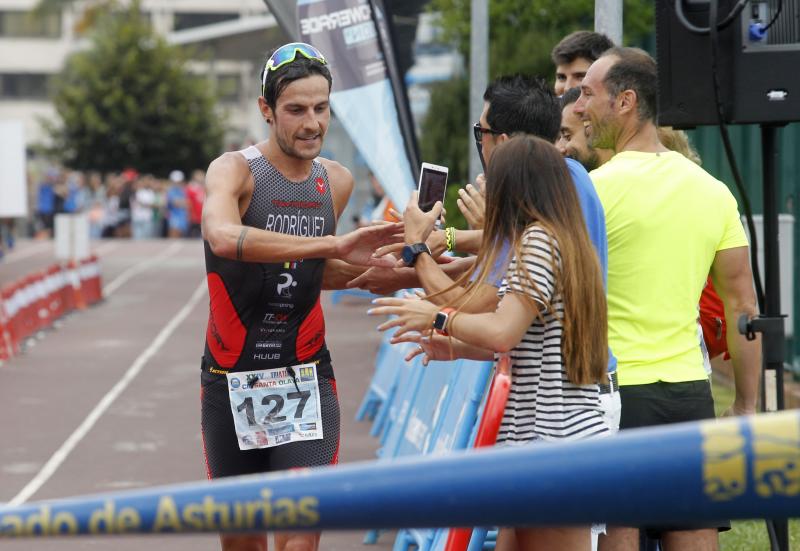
{"x": 432, "y": 184}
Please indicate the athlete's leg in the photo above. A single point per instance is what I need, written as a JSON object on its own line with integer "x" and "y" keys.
{"x": 244, "y": 543}
{"x": 619, "y": 538}
{"x": 546, "y": 539}
{"x": 691, "y": 540}
{"x": 506, "y": 540}
{"x": 297, "y": 541}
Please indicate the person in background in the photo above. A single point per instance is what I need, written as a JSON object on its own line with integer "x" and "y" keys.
{"x": 573, "y": 55}
{"x": 143, "y": 206}
{"x": 177, "y": 205}
{"x": 663, "y": 241}
{"x": 195, "y": 195}
{"x": 46, "y": 203}
{"x": 378, "y": 207}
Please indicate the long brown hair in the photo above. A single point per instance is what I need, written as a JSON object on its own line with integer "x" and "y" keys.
{"x": 528, "y": 183}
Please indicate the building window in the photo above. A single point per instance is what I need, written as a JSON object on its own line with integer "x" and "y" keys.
{"x": 229, "y": 88}
{"x": 190, "y": 20}
{"x": 24, "y": 86}
{"x": 23, "y": 24}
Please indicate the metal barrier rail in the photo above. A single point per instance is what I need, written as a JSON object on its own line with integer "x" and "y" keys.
{"x": 729, "y": 469}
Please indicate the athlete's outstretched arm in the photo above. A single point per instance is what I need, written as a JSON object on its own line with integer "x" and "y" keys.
{"x": 337, "y": 273}
{"x": 227, "y": 181}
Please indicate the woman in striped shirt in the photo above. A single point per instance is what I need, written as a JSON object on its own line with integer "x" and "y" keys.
{"x": 551, "y": 318}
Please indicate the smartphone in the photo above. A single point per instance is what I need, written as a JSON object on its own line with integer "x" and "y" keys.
{"x": 432, "y": 185}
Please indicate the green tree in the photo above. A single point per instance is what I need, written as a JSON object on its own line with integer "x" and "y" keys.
{"x": 128, "y": 101}
{"x": 444, "y": 140}
{"x": 521, "y": 35}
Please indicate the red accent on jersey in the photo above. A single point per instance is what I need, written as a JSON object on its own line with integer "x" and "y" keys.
{"x": 225, "y": 333}
{"x": 320, "y": 185}
{"x": 712, "y": 320}
{"x": 311, "y": 334}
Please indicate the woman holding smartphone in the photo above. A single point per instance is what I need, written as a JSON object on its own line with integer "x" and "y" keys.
{"x": 551, "y": 317}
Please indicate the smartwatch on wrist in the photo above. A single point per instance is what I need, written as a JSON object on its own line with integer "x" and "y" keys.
{"x": 411, "y": 252}
{"x": 440, "y": 321}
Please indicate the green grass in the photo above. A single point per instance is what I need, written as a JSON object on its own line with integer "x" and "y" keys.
{"x": 746, "y": 535}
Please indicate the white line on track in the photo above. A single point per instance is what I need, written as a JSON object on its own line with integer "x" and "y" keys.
{"x": 122, "y": 278}
{"x": 74, "y": 439}
{"x": 32, "y": 249}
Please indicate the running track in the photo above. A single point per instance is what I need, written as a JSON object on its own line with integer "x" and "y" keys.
{"x": 110, "y": 399}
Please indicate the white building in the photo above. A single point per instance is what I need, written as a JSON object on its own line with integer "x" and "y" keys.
{"x": 234, "y": 35}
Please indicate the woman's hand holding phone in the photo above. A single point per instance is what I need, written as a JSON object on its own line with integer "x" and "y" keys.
{"x": 419, "y": 224}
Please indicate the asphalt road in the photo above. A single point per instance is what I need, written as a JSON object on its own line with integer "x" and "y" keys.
{"x": 110, "y": 399}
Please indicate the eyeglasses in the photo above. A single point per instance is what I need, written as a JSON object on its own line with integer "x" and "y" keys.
{"x": 478, "y": 131}
{"x": 288, "y": 53}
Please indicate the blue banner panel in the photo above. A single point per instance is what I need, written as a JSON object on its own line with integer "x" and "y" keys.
{"x": 368, "y": 115}
{"x": 362, "y": 97}
{"x": 728, "y": 469}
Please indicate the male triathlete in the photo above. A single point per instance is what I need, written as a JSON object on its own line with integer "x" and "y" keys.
{"x": 268, "y": 390}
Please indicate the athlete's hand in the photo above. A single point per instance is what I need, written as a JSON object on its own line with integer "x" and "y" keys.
{"x": 358, "y": 246}
{"x": 413, "y": 314}
{"x": 472, "y": 203}
{"x": 419, "y": 224}
{"x": 384, "y": 281}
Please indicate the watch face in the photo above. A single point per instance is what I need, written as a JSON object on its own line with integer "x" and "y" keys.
{"x": 408, "y": 255}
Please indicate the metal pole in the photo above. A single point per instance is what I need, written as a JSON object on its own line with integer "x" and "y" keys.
{"x": 608, "y": 19}
{"x": 773, "y": 342}
{"x": 478, "y": 75}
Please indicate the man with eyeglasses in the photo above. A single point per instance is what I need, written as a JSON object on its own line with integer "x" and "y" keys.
{"x": 268, "y": 389}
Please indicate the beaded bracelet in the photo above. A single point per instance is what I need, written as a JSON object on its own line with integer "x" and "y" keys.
{"x": 450, "y": 238}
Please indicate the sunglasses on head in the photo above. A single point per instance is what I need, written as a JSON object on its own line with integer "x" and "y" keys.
{"x": 288, "y": 53}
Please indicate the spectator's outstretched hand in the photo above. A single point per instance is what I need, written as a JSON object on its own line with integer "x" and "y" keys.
{"x": 419, "y": 224}
{"x": 358, "y": 247}
{"x": 413, "y": 314}
{"x": 472, "y": 203}
{"x": 434, "y": 347}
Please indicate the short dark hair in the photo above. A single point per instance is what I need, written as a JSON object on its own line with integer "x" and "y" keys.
{"x": 280, "y": 78}
{"x": 586, "y": 44}
{"x": 634, "y": 70}
{"x": 570, "y": 96}
{"x": 523, "y": 104}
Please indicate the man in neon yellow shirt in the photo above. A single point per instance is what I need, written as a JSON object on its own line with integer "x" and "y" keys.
{"x": 669, "y": 225}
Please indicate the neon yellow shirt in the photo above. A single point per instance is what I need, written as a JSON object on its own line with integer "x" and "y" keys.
{"x": 666, "y": 218}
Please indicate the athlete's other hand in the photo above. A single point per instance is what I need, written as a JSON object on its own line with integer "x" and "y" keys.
{"x": 419, "y": 224}
{"x": 472, "y": 203}
{"x": 384, "y": 281}
{"x": 358, "y": 246}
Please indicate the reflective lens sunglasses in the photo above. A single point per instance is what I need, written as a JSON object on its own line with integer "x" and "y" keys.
{"x": 288, "y": 53}
{"x": 478, "y": 131}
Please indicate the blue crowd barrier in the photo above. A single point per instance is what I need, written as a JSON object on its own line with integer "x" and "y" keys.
{"x": 421, "y": 410}
{"x": 339, "y": 294}
{"x": 383, "y": 380}
{"x": 734, "y": 468}
{"x": 441, "y": 420}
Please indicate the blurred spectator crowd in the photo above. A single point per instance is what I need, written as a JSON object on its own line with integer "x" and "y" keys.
{"x": 125, "y": 204}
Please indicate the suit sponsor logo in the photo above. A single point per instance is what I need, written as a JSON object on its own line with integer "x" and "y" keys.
{"x": 296, "y": 224}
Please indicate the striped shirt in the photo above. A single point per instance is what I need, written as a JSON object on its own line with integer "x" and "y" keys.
{"x": 543, "y": 404}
